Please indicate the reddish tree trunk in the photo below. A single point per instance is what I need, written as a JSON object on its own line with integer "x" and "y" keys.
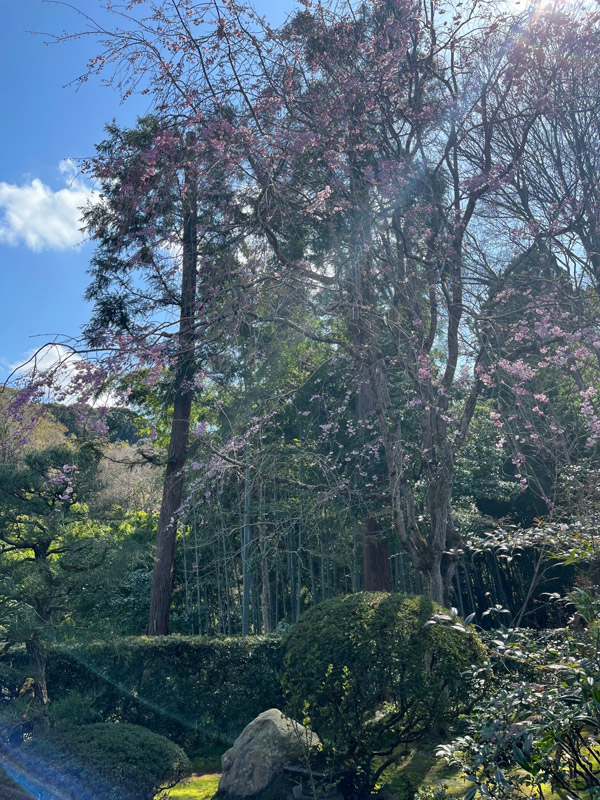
{"x": 376, "y": 569}
{"x": 166, "y": 534}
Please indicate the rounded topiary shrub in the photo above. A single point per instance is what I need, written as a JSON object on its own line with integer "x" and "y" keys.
{"x": 112, "y": 761}
{"x": 368, "y": 675}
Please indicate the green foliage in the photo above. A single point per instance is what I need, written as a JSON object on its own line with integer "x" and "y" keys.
{"x": 431, "y": 793}
{"x": 61, "y": 572}
{"x": 190, "y": 689}
{"x": 367, "y": 674}
{"x": 42, "y": 549}
{"x": 404, "y": 788}
{"x": 114, "y": 599}
{"x": 538, "y": 735}
{"x": 76, "y": 708}
{"x": 480, "y": 467}
{"x": 106, "y": 760}
{"x": 44, "y": 555}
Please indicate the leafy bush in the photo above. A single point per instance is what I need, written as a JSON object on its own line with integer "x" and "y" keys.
{"x": 538, "y": 737}
{"x": 105, "y": 760}
{"x": 367, "y": 674}
{"x": 431, "y": 793}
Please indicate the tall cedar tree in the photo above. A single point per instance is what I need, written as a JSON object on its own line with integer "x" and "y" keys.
{"x": 154, "y": 250}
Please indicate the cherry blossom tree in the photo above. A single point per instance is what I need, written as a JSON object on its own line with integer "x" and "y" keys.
{"x": 380, "y": 107}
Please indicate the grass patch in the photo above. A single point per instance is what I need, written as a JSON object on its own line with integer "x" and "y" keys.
{"x": 203, "y": 787}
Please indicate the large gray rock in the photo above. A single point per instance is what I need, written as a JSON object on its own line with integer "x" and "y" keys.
{"x": 252, "y": 768}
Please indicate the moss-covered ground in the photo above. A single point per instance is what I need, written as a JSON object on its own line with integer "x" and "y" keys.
{"x": 204, "y": 781}
{"x": 422, "y": 769}
{"x": 199, "y": 787}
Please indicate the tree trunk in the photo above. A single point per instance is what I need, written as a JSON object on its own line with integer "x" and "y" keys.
{"x": 265, "y": 594}
{"x": 188, "y": 605}
{"x": 37, "y": 657}
{"x": 265, "y": 589}
{"x": 440, "y": 555}
{"x": 246, "y": 542}
{"x": 291, "y": 575}
{"x": 166, "y": 534}
{"x": 197, "y": 571}
{"x": 437, "y": 589}
{"x": 299, "y": 575}
{"x": 376, "y": 569}
{"x": 313, "y": 579}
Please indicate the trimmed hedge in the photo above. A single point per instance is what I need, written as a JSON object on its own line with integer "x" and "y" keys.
{"x": 187, "y": 688}
{"x": 105, "y": 760}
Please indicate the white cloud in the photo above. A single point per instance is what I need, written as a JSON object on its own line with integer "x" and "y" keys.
{"x": 40, "y": 218}
{"x": 49, "y": 357}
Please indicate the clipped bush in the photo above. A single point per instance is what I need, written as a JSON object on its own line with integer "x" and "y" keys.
{"x": 105, "y": 760}
{"x": 191, "y": 689}
{"x": 367, "y": 674}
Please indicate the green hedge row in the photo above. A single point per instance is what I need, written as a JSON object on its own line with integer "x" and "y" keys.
{"x": 187, "y": 688}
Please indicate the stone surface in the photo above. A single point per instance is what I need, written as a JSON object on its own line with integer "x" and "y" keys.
{"x": 252, "y": 768}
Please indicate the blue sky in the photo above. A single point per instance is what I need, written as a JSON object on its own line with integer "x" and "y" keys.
{"x": 46, "y": 123}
